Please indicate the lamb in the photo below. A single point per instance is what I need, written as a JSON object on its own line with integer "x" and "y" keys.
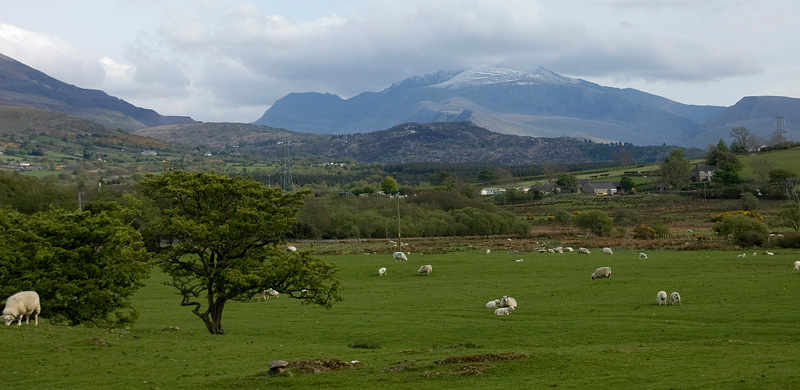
{"x": 607, "y": 251}
{"x": 797, "y": 265}
{"x": 488, "y": 251}
{"x": 382, "y": 271}
{"x": 425, "y": 270}
{"x": 675, "y": 297}
{"x": 661, "y": 298}
{"x": 493, "y": 304}
{"x": 583, "y": 251}
{"x": 742, "y": 255}
{"x": 507, "y": 301}
{"x": 602, "y": 272}
{"x": 768, "y": 253}
{"x": 267, "y": 294}
{"x": 642, "y": 256}
{"x": 291, "y": 249}
{"x": 399, "y": 256}
{"x": 504, "y": 311}
{"x": 21, "y": 304}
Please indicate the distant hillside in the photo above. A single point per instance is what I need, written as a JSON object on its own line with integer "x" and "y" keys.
{"x": 540, "y": 104}
{"x": 23, "y": 86}
{"x": 28, "y": 123}
{"x": 757, "y": 114}
{"x": 450, "y": 142}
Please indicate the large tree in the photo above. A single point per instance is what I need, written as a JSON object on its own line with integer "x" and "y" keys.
{"x": 218, "y": 239}
{"x": 743, "y": 140}
{"x": 675, "y": 169}
{"x": 84, "y": 265}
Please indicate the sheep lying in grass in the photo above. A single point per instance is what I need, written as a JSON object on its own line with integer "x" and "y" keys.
{"x": 399, "y": 256}
{"x": 642, "y": 256}
{"x": 382, "y": 271}
{"x": 507, "y": 301}
{"x": 661, "y": 298}
{"x": 607, "y": 251}
{"x": 493, "y": 304}
{"x": 21, "y": 304}
{"x": 675, "y": 297}
{"x": 569, "y": 249}
{"x": 267, "y": 294}
{"x": 291, "y": 249}
{"x": 488, "y": 251}
{"x": 742, "y": 255}
{"x": 425, "y": 270}
{"x": 797, "y": 265}
{"x": 583, "y": 251}
{"x": 504, "y": 311}
{"x": 768, "y": 253}
{"x": 602, "y": 272}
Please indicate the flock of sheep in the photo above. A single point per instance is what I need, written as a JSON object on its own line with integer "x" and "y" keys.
{"x": 26, "y": 303}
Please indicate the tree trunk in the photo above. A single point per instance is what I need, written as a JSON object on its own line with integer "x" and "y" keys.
{"x": 213, "y": 317}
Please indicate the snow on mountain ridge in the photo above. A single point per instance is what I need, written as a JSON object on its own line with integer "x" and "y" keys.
{"x": 494, "y": 75}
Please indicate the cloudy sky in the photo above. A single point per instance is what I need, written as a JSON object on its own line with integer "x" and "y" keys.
{"x": 229, "y": 60}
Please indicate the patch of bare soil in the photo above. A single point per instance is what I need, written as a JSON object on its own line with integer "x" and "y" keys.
{"x": 483, "y": 357}
{"x": 317, "y": 366}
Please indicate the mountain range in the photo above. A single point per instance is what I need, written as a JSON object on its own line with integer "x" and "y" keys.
{"x": 23, "y": 86}
{"x": 538, "y": 104}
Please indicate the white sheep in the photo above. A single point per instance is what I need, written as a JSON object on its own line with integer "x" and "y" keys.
{"x": 542, "y": 250}
{"x": 21, "y": 304}
{"x": 382, "y": 271}
{"x": 675, "y": 297}
{"x": 583, "y": 251}
{"x": 642, "y": 256}
{"x": 399, "y": 256}
{"x": 797, "y": 265}
{"x": 661, "y": 298}
{"x": 507, "y": 301}
{"x": 488, "y": 251}
{"x": 504, "y": 311}
{"x": 742, "y": 255}
{"x": 267, "y": 294}
{"x": 569, "y": 249}
{"x": 602, "y": 272}
{"x": 493, "y": 304}
{"x": 768, "y": 253}
{"x": 425, "y": 270}
{"x": 291, "y": 249}
{"x": 607, "y": 251}
{"x": 559, "y": 250}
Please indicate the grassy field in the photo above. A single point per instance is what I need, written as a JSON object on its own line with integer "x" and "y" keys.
{"x": 736, "y": 329}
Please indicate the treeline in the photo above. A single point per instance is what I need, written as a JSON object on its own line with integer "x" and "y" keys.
{"x": 431, "y": 213}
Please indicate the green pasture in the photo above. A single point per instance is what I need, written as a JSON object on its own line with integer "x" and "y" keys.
{"x": 738, "y": 328}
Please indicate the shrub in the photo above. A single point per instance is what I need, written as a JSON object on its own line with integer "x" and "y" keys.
{"x": 644, "y": 232}
{"x": 596, "y": 222}
{"x": 660, "y": 229}
{"x": 743, "y": 230}
{"x": 722, "y": 216}
{"x": 626, "y": 217}
{"x": 563, "y": 217}
{"x": 789, "y": 240}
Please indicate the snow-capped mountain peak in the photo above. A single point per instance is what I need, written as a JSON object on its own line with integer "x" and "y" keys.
{"x": 494, "y": 75}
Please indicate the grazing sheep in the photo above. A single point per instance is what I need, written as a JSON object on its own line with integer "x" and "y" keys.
{"x": 607, "y": 251}
{"x": 569, "y": 249}
{"x": 382, "y": 271}
{"x": 768, "y": 253}
{"x": 425, "y": 270}
{"x": 559, "y": 250}
{"x": 542, "y": 250}
{"x": 504, "y": 311}
{"x": 488, "y": 251}
{"x": 291, "y": 249}
{"x": 602, "y": 272}
{"x": 661, "y": 298}
{"x": 493, "y": 304}
{"x": 675, "y": 297}
{"x": 642, "y": 256}
{"x": 583, "y": 251}
{"x": 797, "y": 265}
{"x": 551, "y": 251}
{"x": 507, "y": 301}
{"x": 21, "y": 304}
{"x": 399, "y": 256}
{"x": 267, "y": 294}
